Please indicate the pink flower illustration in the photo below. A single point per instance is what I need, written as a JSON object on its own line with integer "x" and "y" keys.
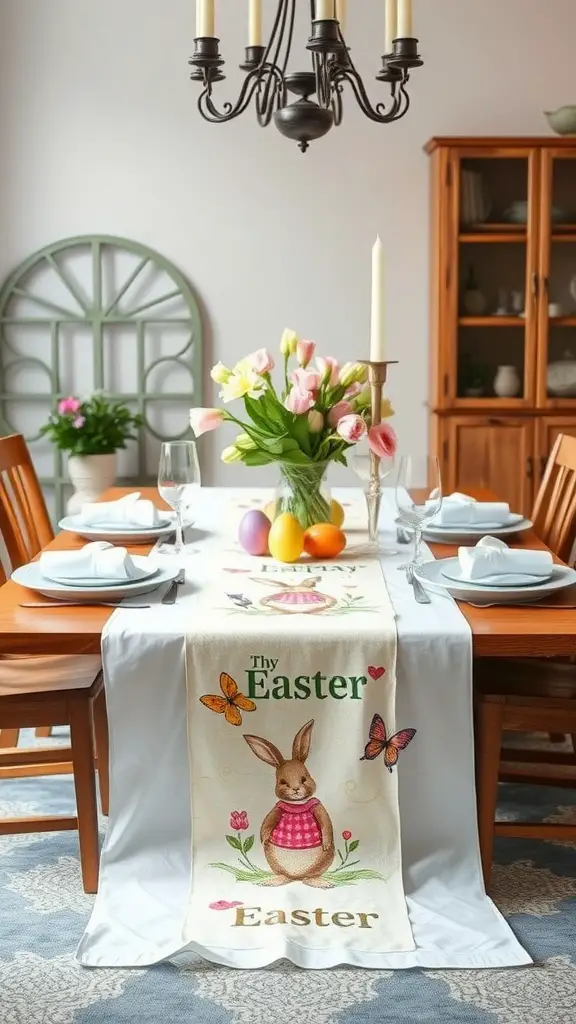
{"x": 351, "y": 428}
{"x": 261, "y": 361}
{"x": 346, "y": 835}
{"x": 383, "y": 441}
{"x": 299, "y": 401}
{"x": 225, "y": 905}
{"x": 239, "y": 820}
{"x": 79, "y": 422}
{"x": 69, "y": 405}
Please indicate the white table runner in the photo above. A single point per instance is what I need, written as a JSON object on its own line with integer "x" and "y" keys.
{"x": 139, "y": 914}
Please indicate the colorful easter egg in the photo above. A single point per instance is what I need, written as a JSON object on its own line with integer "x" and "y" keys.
{"x": 324, "y": 540}
{"x": 336, "y": 513}
{"x": 253, "y": 532}
{"x": 270, "y": 510}
{"x": 286, "y": 538}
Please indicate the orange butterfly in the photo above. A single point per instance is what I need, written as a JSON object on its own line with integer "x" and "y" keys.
{"x": 231, "y": 703}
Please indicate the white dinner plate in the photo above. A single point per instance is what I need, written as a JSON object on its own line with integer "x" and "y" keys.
{"x": 432, "y": 575}
{"x": 31, "y": 577}
{"x": 117, "y": 534}
{"x": 89, "y": 581}
{"x": 455, "y": 535}
{"x": 511, "y": 579}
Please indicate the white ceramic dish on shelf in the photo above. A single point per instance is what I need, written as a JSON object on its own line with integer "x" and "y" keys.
{"x": 30, "y": 576}
{"x": 433, "y": 575}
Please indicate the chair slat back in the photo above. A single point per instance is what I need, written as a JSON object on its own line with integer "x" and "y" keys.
{"x": 554, "y": 512}
{"x": 24, "y": 521}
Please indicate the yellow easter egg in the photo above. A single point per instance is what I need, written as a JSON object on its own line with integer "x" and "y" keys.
{"x": 337, "y": 513}
{"x": 270, "y": 510}
{"x": 286, "y": 538}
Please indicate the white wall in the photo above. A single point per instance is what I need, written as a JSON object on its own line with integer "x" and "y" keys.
{"x": 99, "y": 133}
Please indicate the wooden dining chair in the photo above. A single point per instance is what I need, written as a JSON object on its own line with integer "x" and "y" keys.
{"x": 512, "y": 695}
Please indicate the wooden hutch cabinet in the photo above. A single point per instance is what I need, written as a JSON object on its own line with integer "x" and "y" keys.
{"x": 503, "y": 353}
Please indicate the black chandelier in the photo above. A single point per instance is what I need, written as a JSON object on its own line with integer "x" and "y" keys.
{"x": 267, "y": 80}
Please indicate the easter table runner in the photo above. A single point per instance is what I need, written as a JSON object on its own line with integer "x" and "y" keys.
{"x": 291, "y": 675}
{"x": 141, "y": 912}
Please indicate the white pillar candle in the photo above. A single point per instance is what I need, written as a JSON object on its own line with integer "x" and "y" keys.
{"x": 404, "y": 19}
{"x": 341, "y": 14}
{"x": 204, "y": 18}
{"x": 377, "y": 332}
{"x": 391, "y": 25}
{"x": 255, "y": 23}
{"x": 324, "y": 10}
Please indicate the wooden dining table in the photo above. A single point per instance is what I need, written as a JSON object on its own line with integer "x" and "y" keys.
{"x": 498, "y": 632}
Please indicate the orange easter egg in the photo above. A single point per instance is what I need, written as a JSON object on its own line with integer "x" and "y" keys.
{"x": 324, "y": 540}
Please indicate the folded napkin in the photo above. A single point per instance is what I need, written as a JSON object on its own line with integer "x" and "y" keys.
{"x": 98, "y": 561}
{"x": 461, "y": 510}
{"x": 131, "y": 510}
{"x": 492, "y": 558}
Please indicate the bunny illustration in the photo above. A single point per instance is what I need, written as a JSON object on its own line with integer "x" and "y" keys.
{"x": 297, "y": 834}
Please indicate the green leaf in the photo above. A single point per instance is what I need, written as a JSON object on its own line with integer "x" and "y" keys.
{"x": 354, "y": 845}
{"x": 249, "y": 843}
{"x": 257, "y": 458}
{"x": 233, "y": 842}
{"x": 301, "y": 432}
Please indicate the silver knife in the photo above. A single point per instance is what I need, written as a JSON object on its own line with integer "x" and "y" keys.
{"x": 420, "y": 595}
{"x": 171, "y": 594}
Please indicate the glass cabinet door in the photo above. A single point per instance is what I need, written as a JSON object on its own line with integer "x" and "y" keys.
{"x": 557, "y": 280}
{"x": 492, "y": 278}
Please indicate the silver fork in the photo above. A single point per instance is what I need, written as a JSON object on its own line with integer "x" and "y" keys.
{"x": 420, "y": 595}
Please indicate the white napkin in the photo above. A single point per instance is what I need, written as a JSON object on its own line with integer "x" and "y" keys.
{"x": 131, "y": 510}
{"x": 98, "y": 561}
{"x": 462, "y": 510}
{"x": 492, "y": 560}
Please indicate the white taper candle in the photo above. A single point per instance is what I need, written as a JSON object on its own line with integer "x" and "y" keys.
{"x": 405, "y": 30}
{"x": 323, "y": 10}
{"x": 391, "y": 25}
{"x": 341, "y": 14}
{"x": 377, "y": 327}
{"x": 204, "y": 18}
{"x": 255, "y": 23}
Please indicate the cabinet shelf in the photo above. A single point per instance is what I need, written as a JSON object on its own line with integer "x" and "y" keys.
{"x": 563, "y": 321}
{"x": 481, "y": 238}
{"x": 493, "y": 321}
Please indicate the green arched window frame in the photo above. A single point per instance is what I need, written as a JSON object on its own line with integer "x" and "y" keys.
{"x": 92, "y": 301}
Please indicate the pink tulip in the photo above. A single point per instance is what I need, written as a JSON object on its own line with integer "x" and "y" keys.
{"x": 203, "y": 420}
{"x": 383, "y": 441}
{"x": 353, "y": 390}
{"x": 261, "y": 361}
{"x": 239, "y": 820}
{"x": 329, "y": 370}
{"x": 351, "y": 428}
{"x": 299, "y": 401}
{"x": 305, "y": 351}
{"x": 338, "y": 411}
{"x": 79, "y": 422}
{"x": 69, "y": 405}
{"x": 307, "y": 380}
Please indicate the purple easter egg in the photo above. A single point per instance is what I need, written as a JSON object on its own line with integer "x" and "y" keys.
{"x": 253, "y": 532}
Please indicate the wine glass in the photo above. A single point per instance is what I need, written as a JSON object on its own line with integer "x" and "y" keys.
{"x": 418, "y": 496}
{"x": 361, "y": 461}
{"x": 178, "y": 480}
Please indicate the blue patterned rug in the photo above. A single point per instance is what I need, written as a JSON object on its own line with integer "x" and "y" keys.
{"x": 43, "y": 911}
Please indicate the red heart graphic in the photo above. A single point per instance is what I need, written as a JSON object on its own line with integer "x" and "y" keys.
{"x": 376, "y": 673}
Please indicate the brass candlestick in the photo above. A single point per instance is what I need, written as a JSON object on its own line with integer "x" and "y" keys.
{"x": 377, "y": 376}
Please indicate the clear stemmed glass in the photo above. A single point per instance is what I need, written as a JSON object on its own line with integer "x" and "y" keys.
{"x": 361, "y": 463}
{"x": 418, "y": 496}
{"x": 178, "y": 480}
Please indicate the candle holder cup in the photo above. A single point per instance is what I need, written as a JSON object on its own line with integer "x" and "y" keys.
{"x": 377, "y": 377}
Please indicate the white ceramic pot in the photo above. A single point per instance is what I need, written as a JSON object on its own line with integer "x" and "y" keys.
{"x": 90, "y": 474}
{"x": 507, "y": 383}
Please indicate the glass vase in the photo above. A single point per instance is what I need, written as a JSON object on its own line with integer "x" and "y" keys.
{"x": 304, "y": 493}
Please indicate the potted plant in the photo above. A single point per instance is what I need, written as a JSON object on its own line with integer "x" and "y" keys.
{"x": 317, "y": 413}
{"x": 91, "y": 431}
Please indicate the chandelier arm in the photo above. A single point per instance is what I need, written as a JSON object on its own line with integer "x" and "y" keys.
{"x": 211, "y": 113}
{"x": 265, "y": 104}
{"x": 379, "y": 113}
{"x": 337, "y": 108}
{"x": 268, "y": 93}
